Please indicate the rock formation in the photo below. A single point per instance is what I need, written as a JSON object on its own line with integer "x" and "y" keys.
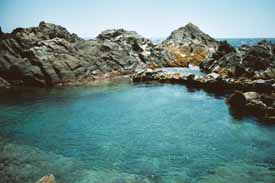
{"x": 189, "y": 45}
{"x": 49, "y": 55}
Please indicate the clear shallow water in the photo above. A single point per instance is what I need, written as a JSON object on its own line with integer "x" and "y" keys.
{"x": 134, "y": 133}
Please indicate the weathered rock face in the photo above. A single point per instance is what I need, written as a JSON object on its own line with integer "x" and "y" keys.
{"x": 49, "y": 55}
{"x": 255, "y": 62}
{"x": 32, "y": 56}
{"x": 189, "y": 45}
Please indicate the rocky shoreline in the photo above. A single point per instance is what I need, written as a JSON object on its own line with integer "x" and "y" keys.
{"x": 49, "y": 56}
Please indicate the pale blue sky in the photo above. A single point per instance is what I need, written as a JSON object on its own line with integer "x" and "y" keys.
{"x": 150, "y": 18}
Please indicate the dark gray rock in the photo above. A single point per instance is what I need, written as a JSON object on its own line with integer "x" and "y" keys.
{"x": 223, "y": 49}
{"x": 144, "y": 51}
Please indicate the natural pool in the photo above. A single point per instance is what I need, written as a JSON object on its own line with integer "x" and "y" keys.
{"x": 130, "y": 133}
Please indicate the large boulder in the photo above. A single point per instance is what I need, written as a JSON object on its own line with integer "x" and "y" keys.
{"x": 49, "y": 55}
{"x": 237, "y": 100}
{"x": 190, "y": 45}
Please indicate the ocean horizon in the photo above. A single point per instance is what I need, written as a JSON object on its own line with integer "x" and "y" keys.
{"x": 236, "y": 42}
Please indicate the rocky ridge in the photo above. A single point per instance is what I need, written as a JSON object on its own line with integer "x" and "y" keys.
{"x": 49, "y": 55}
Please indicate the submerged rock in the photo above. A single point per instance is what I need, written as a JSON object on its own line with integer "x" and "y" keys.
{"x": 47, "y": 179}
{"x": 49, "y": 55}
{"x": 189, "y": 45}
{"x": 239, "y": 172}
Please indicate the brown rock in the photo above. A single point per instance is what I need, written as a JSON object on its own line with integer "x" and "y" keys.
{"x": 189, "y": 45}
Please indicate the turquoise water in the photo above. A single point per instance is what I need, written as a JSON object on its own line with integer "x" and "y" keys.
{"x": 130, "y": 133}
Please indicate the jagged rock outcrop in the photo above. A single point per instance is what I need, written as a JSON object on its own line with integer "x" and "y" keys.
{"x": 254, "y": 62}
{"x": 189, "y": 45}
{"x": 123, "y": 52}
{"x": 49, "y": 55}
